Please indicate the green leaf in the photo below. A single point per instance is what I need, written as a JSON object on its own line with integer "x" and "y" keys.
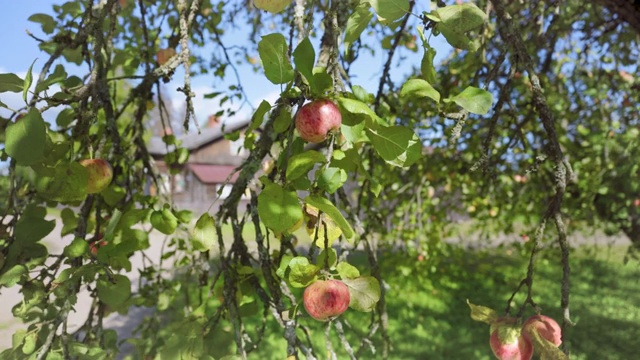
{"x": 301, "y": 164}
{"x": 390, "y": 10}
{"x": 29, "y": 345}
{"x": 72, "y": 8}
{"x": 272, "y": 6}
{"x": 362, "y": 94}
{"x": 329, "y": 209}
{"x": 258, "y": 116}
{"x": 358, "y": 109}
{"x": 273, "y": 50}
{"x": 302, "y": 273}
{"x": 67, "y": 182}
{"x": 279, "y": 209}
{"x": 354, "y": 133}
{"x": 356, "y": 24}
{"x": 322, "y": 260}
{"x": 465, "y": 16}
{"x": 284, "y": 266}
{"x": 456, "y": 21}
{"x": 31, "y": 229}
{"x": 114, "y": 293}
{"x": 12, "y": 276}
{"x": 114, "y": 221}
{"x": 11, "y": 82}
{"x": 426, "y": 65}
{"x": 27, "y": 82}
{"x": 321, "y": 81}
{"x": 164, "y": 221}
{"x": 482, "y": 313}
{"x": 283, "y": 120}
{"x": 184, "y": 216}
{"x": 77, "y": 248}
{"x": 65, "y": 117}
{"x": 204, "y": 233}
{"x": 113, "y": 194}
{"x": 347, "y": 271}
{"x": 69, "y": 221}
{"x": 364, "y": 292}
{"x": 59, "y": 75}
{"x": 25, "y": 139}
{"x": 420, "y": 88}
{"x": 331, "y": 179}
{"x": 46, "y": 21}
{"x": 397, "y": 145}
{"x": 74, "y": 55}
{"x": 304, "y": 58}
{"x": 474, "y": 100}
{"x": 55, "y": 152}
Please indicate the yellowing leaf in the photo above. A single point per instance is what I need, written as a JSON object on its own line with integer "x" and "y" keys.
{"x": 482, "y": 313}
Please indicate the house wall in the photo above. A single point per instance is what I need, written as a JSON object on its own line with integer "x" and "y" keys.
{"x": 211, "y": 153}
{"x": 198, "y": 196}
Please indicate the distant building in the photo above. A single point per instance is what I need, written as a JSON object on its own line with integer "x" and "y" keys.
{"x": 211, "y": 167}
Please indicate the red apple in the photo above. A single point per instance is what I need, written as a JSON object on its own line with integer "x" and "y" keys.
{"x": 316, "y": 119}
{"x": 508, "y": 343}
{"x": 96, "y": 245}
{"x": 325, "y": 299}
{"x": 274, "y": 6}
{"x": 545, "y": 326}
{"x": 100, "y": 174}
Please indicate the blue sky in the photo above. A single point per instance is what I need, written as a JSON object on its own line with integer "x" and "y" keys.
{"x": 21, "y": 50}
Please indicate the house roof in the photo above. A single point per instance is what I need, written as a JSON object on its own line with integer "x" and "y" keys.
{"x": 214, "y": 174}
{"x": 193, "y": 141}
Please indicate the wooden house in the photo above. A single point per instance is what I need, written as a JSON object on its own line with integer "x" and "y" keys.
{"x": 211, "y": 166}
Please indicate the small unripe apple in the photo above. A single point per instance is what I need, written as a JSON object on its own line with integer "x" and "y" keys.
{"x": 273, "y": 6}
{"x": 316, "y": 119}
{"x": 325, "y": 299}
{"x": 100, "y": 174}
{"x": 545, "y": 326}
{"x": 507, "y": 343}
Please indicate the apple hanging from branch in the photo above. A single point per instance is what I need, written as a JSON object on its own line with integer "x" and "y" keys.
{"x": 317, "y": 119}
{"x": 545, "y": 326}
{"x": 510, "y": 346}
{"x": 100, "y": 174}
{"x": 326, "y": 299}
{"x": 507, "y": 341}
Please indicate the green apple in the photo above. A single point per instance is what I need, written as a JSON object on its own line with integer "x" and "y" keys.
{"x": 100, "y": 174}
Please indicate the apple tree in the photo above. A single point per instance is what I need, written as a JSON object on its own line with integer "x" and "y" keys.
{"x": 524, "y": 126}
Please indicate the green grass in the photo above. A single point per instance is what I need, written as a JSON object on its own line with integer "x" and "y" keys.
{"x": 429, "y": 317}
